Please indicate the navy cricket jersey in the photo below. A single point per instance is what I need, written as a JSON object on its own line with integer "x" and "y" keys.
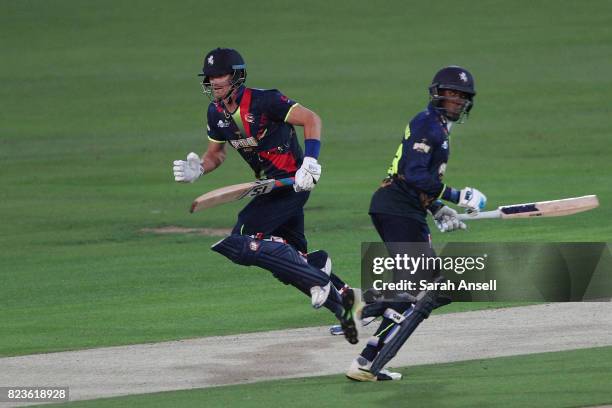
{"x": 415, "y": 176}
{"x": 259, "y": 132}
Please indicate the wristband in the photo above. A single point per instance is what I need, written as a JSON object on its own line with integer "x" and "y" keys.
{"x": 312, "y": 148}
{"x": 450, "y": 194}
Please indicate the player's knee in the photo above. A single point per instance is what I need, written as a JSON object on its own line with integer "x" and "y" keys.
{"x": 240, "y": 249}
{"x": 320, "y": 259}
{"x": 254, "y": 250}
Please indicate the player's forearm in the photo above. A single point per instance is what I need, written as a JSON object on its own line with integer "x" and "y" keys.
{"x": 212, "y": 160}
{"x": 312, "y": 127}
{"x": 312, "y": 136}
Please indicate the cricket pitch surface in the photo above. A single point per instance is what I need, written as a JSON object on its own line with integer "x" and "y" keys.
{"x": 245, "y": 358}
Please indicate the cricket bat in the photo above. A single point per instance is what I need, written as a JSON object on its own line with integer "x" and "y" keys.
{"x": 554, "y": 208}
{"x": 238, "y": 191}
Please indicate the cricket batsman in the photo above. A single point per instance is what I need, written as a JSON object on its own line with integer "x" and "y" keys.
{"x": 413, "y": 188}
{"x": 269, "y": 232}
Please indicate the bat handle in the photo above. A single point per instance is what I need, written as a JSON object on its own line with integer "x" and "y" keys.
{"x": 284, "y": 182}
{"x": 483, "y": 215}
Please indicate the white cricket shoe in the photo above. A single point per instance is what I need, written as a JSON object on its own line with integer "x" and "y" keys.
{"x": 360, "y": 371}
{"x": 318, "y": 295}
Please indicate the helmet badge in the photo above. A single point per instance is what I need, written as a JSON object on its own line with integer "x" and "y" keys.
{"x": 463, "y": 77}
{"x": 211, "y": 60}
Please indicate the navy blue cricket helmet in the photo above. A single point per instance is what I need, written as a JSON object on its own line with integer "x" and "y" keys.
{"x": 223, "y": 61}
{"x": 453, "y": 78}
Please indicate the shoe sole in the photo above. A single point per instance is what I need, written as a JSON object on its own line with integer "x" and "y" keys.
{"x": 361, "y": 377}
{"x": 367, "y": 378}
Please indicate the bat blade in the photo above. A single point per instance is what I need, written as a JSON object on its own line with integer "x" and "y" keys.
{"x": 236, "y": 192}
{"x": 554, "y": 208}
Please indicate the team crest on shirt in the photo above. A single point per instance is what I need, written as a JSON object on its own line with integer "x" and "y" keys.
{"x": 422, "y": 146}
{"x": 223, "y": 124}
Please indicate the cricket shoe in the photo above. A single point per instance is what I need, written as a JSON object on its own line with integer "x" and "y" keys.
{"x": 386, "y": 375}
{"x": 319, "y": 295}
{"x": 360, "y": 371}
{"x": 351, "y": 301}
{"x": 336, "y": 330}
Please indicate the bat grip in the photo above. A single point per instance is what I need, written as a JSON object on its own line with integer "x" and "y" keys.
{"x": 480, "y": 216}
{"x": 284, "y": 182}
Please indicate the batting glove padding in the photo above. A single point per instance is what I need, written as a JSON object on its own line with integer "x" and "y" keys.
{"x": 472, "y": 199}
{"x": 307, "y": 176}
{"x": 188, "y": 171}
{"x": 446, "y": 220}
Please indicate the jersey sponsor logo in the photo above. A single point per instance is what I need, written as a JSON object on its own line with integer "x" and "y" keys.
{"x": 244, "y": 143}
{"x": 223, "y": 124}
{"x": 421, "y": 147}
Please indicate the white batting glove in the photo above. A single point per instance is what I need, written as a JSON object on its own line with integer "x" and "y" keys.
{"x": 472, "y": 199}
{"x": 307, "y": 176}
{"x": 446, "y": 220}
{"x": 188, "y": 171}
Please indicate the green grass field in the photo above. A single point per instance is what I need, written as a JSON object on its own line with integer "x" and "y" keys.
{"x": 100, "y": 97}
{"x": 569, "y": 379}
